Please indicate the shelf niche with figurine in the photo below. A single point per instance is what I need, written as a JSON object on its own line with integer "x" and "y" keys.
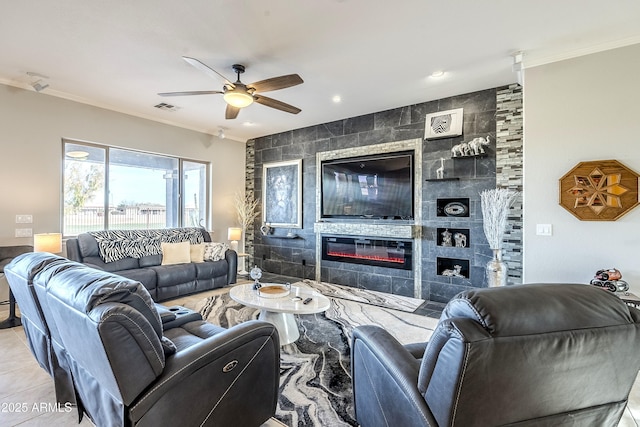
{"x": 453, "y": 237}
{"x": 453, "y": 267}
{"x": 454, "y": 207}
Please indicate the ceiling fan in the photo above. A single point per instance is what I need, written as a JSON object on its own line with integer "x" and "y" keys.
{"x": 238, "y": 95}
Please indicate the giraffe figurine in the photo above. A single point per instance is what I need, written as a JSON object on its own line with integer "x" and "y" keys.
{"x": 440, "y": 170}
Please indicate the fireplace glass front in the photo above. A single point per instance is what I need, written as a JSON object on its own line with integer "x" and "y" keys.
{"x": 391, "y": 253}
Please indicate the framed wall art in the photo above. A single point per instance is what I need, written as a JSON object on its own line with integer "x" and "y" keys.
{"x": 443, "y": 124}
{"x": 282, "y": 194}
{"x": 601, "y": 190}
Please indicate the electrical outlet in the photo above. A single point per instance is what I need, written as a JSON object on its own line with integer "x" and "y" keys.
{"x": 24, "y": 219}
{"x": 24, "y": 232}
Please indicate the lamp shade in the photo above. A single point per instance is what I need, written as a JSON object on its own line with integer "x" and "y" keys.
{"x": 235, "y": 233}
{"x": 47, "y": 242}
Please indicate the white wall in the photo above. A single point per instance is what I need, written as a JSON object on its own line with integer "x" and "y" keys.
{"x": 582, "y": 109}
{"x": 32, "y": 126}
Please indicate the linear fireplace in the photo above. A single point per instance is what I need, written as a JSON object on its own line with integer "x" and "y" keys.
{"x": 391, "y": 253}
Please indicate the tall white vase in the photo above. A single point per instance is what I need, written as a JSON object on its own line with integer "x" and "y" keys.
{"x": 497, "y": 270}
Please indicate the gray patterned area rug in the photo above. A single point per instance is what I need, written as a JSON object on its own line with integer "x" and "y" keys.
{"x": 315, "y": 382}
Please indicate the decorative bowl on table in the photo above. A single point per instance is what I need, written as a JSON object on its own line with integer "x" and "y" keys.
{"x": 273, "y": 290}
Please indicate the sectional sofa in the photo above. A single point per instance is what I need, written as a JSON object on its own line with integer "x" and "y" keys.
{"x": 138, "y": 255}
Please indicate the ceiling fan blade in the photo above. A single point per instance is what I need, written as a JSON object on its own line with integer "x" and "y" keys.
{"x": 206, "y": 69}
{"x": 278, "y": 105}
{"x": 231, "y": 112}
{"x": 276, "y": 83}
{"x": 192, "y": 92}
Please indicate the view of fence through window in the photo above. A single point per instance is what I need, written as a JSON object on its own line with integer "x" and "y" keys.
{"x": 113, "y": 188}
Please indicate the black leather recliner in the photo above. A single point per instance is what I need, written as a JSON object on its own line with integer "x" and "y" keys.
{"x": 127, "y": 371}
{"x": 47, "y": 350}
{"x": 540, "y": 354}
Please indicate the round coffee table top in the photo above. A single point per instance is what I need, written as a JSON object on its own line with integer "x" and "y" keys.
{"x": 291, "y": 303}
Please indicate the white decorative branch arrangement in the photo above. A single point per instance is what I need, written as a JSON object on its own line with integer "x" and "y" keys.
{"x": 246, "y": 209}
{"x": 495, "y": 208}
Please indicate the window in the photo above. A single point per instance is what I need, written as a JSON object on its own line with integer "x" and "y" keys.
{"x": 115, "y": 188}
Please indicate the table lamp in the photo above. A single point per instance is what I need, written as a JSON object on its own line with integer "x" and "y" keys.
{"x": 234, "y": 234}
{"x": 47, "y": 242}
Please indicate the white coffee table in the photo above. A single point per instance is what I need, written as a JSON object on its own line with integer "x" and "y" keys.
{"x": 280, "y": 311}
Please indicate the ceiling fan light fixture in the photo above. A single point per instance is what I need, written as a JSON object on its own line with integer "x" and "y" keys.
{"x": 237, "y": 98}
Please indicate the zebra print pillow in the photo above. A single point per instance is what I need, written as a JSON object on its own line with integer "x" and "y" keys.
{"x": 214, "y": 251}
{"x": 115, "y": 245}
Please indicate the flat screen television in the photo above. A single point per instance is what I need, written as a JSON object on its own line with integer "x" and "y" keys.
{"x": 377, "y": 187}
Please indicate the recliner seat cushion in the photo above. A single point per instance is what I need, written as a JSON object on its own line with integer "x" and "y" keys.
{"x": 169, "y": 275}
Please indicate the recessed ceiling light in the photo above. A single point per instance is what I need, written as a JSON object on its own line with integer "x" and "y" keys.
{"x": 336, "y": 98}
{"x": 247, "y": 124}
{"x": 437, "y": 74}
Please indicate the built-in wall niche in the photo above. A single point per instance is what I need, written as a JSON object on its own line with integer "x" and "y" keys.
{"x": 454, "y": 237}
{"x": 453, "y": 267}
{"x": 456, "y": 207}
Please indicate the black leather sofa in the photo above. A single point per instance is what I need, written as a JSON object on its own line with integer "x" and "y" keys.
{"x": 162, "y": 281}
{"x": 103, "y": 340}
{"x": 527, "y": 355}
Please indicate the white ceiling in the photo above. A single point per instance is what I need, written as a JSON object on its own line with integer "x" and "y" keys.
{"x": 375, "y": 54}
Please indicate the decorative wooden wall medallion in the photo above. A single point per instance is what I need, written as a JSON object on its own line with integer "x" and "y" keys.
{"x": 602, "y": 190}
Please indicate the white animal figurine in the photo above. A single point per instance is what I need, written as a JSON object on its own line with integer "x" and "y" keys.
{"x": 455, "y": 272}
{"x": 460, "y": 150}
{"x": 440, "y": 170}
{"x": 476, "y": 145}
{"x": 461, "y": 240}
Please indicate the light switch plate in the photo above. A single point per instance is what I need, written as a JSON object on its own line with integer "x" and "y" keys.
{"x": 24, "y": 219}
{"x": 544, "y": 229}
{"x": 24, "y": 232}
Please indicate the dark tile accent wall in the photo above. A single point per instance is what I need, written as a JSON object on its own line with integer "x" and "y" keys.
{"x": 296, "y": 257}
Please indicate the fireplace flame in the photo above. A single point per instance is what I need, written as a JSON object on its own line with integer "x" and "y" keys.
{"x": 367, "y": 257}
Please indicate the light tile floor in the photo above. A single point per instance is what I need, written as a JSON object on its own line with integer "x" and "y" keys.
{"x": 27, "y": 396}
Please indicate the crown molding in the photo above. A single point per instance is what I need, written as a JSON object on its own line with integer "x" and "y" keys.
{"x": 532, "y": 60}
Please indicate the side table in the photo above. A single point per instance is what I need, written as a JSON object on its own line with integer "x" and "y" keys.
{"x": 242, "y": 270}
{"x": 12, "y": 321}
{"x": 7, "y": 254}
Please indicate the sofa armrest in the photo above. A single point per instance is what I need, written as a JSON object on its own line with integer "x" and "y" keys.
{"x": 232, "y": 365}
{"x": 73, "y": 250}
{"x": 232, "y": 259}
{"x": 382, "y": 369}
